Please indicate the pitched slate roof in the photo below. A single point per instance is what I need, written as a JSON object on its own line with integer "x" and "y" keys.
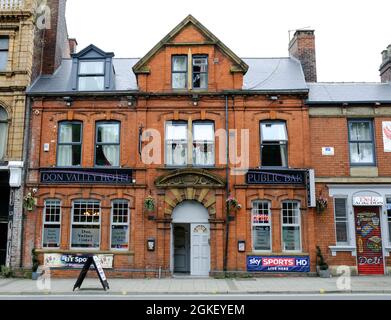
{"x": 353, "y": 92}
{"x": 264, "y": 74}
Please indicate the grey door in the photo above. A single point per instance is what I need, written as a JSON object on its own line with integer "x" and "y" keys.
{"x": 182, "y": 248}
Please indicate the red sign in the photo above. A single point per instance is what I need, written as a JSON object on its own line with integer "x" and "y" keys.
{"x": 369, "y": 241}
{"x": 261, "y": 218}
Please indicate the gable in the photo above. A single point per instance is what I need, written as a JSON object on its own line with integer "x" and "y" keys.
{"x": 190, "y": 31}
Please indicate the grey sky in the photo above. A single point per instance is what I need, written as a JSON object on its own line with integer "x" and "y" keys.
{"x": 350, "y": 35}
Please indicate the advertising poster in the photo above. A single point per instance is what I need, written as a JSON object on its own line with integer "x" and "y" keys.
{"x": 387, "y": 136}
{"x": 278, "y": 264}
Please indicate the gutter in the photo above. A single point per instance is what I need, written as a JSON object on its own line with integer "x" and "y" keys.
{"x": 347, "y": 102}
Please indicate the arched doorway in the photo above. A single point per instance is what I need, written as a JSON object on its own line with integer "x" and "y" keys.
{"x": 190, "y": 249}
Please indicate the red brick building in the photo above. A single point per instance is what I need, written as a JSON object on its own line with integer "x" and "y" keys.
{"x": 129, "y": 161}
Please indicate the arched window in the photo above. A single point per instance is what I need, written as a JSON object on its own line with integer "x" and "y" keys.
{"x": 3, "y": 133}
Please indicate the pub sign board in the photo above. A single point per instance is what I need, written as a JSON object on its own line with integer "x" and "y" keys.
{"x": 276, "y": 177}
{"x": 86, "y": 176}
{"x": 278, "y": 264}
{"x": 92, "y": 260}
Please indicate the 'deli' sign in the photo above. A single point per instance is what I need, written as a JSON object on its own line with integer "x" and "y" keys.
{"x": 92, "y": 260}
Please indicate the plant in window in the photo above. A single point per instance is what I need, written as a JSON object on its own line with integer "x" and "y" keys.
{"x": 233, "y": 203}
{"x": 29, "y": 201}
{"x": 321, "y": 204}
{"x": 149, "y": 203}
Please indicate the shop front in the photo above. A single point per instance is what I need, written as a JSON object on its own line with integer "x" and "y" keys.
{"x": 366, "y": 229}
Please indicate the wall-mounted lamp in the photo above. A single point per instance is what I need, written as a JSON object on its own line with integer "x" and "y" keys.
{"x": 68, "y": 101}
{"x": 195, "y": 98}
{"x": 131, "y": 101}
{"x": 241, "y": 246}
{"x": 151, "y": 244}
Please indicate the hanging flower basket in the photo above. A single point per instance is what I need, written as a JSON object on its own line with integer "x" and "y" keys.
{"x": 29, "y": 202}
{"x": 321, "y": 204}
{"x": 233, "y": 203}
{"x": 149, "y": 204}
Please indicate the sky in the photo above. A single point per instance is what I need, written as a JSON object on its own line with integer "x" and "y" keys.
{"x": 350, "y": 35}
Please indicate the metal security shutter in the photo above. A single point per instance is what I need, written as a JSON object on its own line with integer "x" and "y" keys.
{"x": 369, "y": 242}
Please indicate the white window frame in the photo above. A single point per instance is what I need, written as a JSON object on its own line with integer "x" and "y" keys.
{"x": 167, "y": 141}
{"x": 208, "y": 142}
{"x": 86, "y": 223}
{"x": 112, "y": 223}
{"x": 261, "y": 224}
{"x": 348, "y": 243}
{"x": 280, "y": 143}
{"x": 51, "y": 223}
{"x": 291, "y": 225}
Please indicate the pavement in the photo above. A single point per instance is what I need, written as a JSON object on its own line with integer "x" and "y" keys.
{"x": 201, "y": 286}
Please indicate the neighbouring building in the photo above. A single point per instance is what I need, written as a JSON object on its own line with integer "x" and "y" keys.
{"x": 30, "y": 33}
{"x": 129, "y": 161}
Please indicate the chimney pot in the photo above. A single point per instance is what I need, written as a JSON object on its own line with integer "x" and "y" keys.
{"x": 72, "y": 45}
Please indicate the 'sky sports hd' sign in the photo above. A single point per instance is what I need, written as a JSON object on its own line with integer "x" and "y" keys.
{"x": 278, "y": 264}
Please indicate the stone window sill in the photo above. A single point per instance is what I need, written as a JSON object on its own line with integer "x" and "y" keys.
{"x": 335, "y": 249}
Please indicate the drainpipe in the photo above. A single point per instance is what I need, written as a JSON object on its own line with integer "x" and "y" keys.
{"x": 227, "y": 186}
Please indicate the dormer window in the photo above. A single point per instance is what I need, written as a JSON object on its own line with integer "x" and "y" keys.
{"x": 179, "y": 72}
{"x": 91, "y": 75}
{"x": 198, "y": 78}
{"x": 200, "y": 72}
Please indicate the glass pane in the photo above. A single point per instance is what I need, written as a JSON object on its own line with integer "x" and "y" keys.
{"x": 361, "y": 153}
{"x": 341, "y": 232}
{"x": 291, "y": 238}
{"x": 274, "y": 132}
{"x": 108, "y": 133}
{"x": 261, "y": 238}
{"x": 176, "y": 154}
{"x": 3, "y": 114}
{"x": 51, "y": 236}
{"x": 200, "y": 64}
{"x": 3, "y": 60}
{"x": 176, "y": 131}
{"x": 203, "y": 132}
{"x": 69, "y": 155}
{"x": 179, "y": 63}
{"x": 200, "y": 80}
{"x": 4, "y": 43}
{"x": 203, "y": 154}
{"x": 3, "y": 139}
{"x": 179, "y": 80}
{"x": 70, "y": 132}
{"x": 85, "y": 236}
{"x": 119, "y": 237}
{"x": 340, "y": 209}
{"x": 91, "y": 67}
{"x": 274, "y": 155}
{"x": 91, "y": 83}
{"x": 108, "y": 155}
{"x": 360, "y": 131}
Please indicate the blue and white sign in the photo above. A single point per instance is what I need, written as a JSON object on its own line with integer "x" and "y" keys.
{"x": 278, "y": 264}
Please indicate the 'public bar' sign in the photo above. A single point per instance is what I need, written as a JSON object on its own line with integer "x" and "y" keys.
{"x": 277, "y": 177}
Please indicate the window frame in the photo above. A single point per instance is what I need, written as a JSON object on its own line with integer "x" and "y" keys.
{"x": 373, "y": 142}
{"x": 58, "y": 223}
{"x": 200, "y": 56}
{"x": 348, "y": 236}
{"x": 270, "y": 225}
{"x": 128, "y": 224}
{"x": 179, "y": 122}
{"x": 6, "y": 124}
{"x": 275, "y": 142}
{"x": 90, "y": 75}
{"x": 299, "y": 224}
{"x": 97, "y": 123}
{"x": 86, "y": 223}
{"x": 202, "y": 122}
{"x": 7, "y": 51}
{"x": 70, "y": 143}
{"x": 179, "y": 72}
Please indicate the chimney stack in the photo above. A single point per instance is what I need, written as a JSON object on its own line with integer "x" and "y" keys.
{"x": 72, "y": 45}
{"x": 302, "y": 47}
{"x": 385, "y": 68}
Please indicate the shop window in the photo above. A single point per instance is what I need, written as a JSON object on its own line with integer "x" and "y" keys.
{"x": 179, "y": 72}
{"x": 200, "y": 72}
{"x": 274, "y": 140}
{"x": 52, "y": 224}
{"x": 107, "y": 144}
{"x": 3, "y": 133}
{"x": 176, "y": 143}
{"x": 69, "y": 144}
{"x": 4, "y": 48}
{"x": 91, "y": 75}
{"x": 120, "y": 224}
{"x": 261, "y": 226}
{"x": 341, "y": 221}
{"x": 362, "y": 150}
{"x": 291, "y": 226}
{"x": 203, "y": 144}
{"x": 389, "y": 218}
{"x": 86, "y": 224}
